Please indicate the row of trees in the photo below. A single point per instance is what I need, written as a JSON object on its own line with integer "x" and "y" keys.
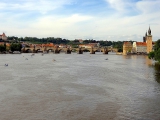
{"x": 40, "y": 40}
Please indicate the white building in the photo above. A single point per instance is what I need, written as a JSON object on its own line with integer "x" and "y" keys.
{"x": 139, "y": 47}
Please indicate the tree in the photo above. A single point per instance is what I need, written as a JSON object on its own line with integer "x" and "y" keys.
{"x": 120, "y": 50}
{"x": 151, "y": 55}
{"x": 156, "y": 53}
{"x": 15, "y": 47}
{"x": 2, "y": 48}
{"x": 157, "y": 45}
{"x": 5, "y": 46}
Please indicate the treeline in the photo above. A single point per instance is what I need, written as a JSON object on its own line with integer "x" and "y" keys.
{"x": 73, "y": 43}
{"x": 36, "y": 40}
{"x": 60, "y": 40}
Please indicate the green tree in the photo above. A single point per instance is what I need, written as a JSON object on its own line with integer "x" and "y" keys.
{"x": 15, "y": 47}
{"x": 156, "y": 53}
{"x": 120, "y": 50}
{"x": 151, "y": 55}
{"x": 5, "y": 46}
{"x": 157, "y": 45}
{"x": 2, "y": 48}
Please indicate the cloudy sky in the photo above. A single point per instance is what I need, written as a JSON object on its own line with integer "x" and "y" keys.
{"x": 114, "y": 20}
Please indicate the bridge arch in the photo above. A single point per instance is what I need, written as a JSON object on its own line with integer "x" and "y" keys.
{"x": 38, "y": 50}
{"x": 28, "y": 51}
{"x": 48, "y": 50}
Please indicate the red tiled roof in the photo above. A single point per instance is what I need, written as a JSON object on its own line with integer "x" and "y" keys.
{"x": 141, "y": 43}
{"x": 126, "y": 43}
{"x": 48, "y": 45}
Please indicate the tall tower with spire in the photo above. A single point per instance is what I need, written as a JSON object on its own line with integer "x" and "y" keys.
{"x": 149, "y": 40}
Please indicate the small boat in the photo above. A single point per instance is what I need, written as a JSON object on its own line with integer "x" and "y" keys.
{"x": 6, "y": 64}
{"x": 106, "y": 59}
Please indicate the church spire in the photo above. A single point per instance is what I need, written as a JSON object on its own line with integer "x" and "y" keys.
{"x": 149, "y": 31}
{"x": 146, "y": 34}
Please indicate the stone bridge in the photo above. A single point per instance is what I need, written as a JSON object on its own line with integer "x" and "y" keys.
{"x": 92, "y": 50}
{"x": 57, "y": 50}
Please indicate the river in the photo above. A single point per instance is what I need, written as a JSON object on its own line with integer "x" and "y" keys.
{"x": 78, "y": 87}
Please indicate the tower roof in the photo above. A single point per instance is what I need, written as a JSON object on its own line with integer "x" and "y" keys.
{"x": 146, "y": 34}
{"x": 149, "y": 31}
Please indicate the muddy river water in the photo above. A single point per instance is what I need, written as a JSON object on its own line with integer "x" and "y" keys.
{"x": 78, "y": 87}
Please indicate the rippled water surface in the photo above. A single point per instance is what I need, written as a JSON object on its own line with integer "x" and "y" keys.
{"x": 78, "y": 87}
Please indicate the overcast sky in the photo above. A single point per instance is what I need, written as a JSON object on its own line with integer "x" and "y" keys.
{"x": 114, "y": 20}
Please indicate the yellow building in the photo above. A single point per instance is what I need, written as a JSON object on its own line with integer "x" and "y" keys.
{"x": 127, "y": 48}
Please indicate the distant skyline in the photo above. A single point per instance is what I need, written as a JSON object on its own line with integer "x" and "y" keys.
{"x": 112, "y": 20}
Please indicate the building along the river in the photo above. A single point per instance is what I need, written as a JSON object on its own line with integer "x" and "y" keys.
{"x": 139, "y": 47}
{"x": 127, "y": 48}
{"x": 144, "y": 47}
